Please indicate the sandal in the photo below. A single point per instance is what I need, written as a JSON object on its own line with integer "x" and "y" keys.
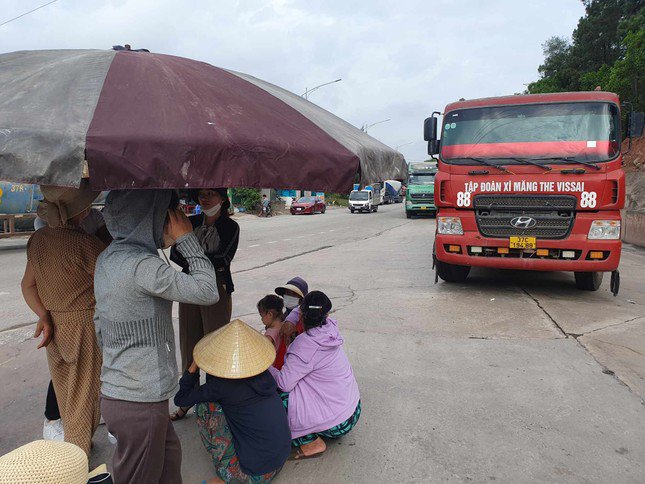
{"x": 298, "y": 454}
{"x": 180, "y": 413}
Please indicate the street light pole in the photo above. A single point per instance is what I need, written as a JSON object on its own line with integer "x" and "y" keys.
{"x": 404, "y": 144}
{"x": 365, "y": 127}
{"x": 309, "y": 91}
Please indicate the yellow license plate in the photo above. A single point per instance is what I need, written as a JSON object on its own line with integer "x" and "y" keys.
{"x": 523, "y": 243}
{"x": 424, "y": 208}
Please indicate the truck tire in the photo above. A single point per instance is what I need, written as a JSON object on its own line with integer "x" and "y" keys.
{"x": 351, "y": 210}
{"x": 408, "y": 214}
{"x": 452, "y": 272}
{"x": 376, "y": 208}
{"x": 588, "y": 281}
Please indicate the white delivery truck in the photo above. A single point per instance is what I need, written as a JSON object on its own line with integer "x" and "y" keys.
{"x": 366, "y": 200}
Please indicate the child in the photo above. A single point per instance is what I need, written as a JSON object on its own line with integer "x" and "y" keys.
{"x": 270, "y": 308}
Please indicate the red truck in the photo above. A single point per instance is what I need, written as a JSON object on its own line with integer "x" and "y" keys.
{"x": 530, "y": 182}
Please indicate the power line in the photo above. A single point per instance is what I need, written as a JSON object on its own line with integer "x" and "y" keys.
{"x": 27, "y": 13}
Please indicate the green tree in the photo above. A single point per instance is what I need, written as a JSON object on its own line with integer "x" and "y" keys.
{"x": 627, "y": 76}
{"x": 249, "y": 198}
{"x": 607, "y": 50}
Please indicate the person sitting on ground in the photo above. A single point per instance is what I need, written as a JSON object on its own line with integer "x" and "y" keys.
{"x": 292, "y": 293}
{"x": 270, "y": 308}
{"x": 241, "y": 419}
{"x": 320, "y": 392}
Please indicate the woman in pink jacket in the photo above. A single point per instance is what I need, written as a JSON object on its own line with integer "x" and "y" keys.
{"x": 319, "y": 389}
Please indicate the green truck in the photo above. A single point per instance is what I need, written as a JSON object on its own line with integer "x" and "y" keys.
{"x": 419, "y": 195}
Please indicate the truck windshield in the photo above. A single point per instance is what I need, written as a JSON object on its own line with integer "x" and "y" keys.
{"x": 358, "y": 196}
{"x": 425, "y": 179}
{"x": 556, "y": 133}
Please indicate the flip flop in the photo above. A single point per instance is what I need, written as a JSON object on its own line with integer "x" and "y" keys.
{"x": 297, "y": 454}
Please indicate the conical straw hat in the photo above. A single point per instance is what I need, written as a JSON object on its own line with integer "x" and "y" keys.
{"x": 234, "y": 351}
{"x": 44, "y": 462}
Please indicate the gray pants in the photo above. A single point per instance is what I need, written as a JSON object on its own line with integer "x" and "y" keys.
{"x": 148, "y": 449}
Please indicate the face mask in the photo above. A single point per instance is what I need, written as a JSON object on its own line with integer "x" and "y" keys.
{"x": 212, "y": 211}
{"x": 290, "y": 302}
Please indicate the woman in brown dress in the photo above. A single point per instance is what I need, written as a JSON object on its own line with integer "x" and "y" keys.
{"x": 58, "y": 286}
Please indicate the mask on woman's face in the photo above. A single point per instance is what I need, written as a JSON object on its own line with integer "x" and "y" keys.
{"x": 214, "y": 210}
{"x": 291, "y": 302}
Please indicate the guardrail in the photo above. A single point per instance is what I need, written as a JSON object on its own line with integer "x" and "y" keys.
{"x": 9, "y": 224}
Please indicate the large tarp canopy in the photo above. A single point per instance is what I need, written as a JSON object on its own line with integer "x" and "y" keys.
{"x": 141, "y": 120}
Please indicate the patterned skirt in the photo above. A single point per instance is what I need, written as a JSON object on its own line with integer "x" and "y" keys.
{"x": 218, "y": 440}
{"x": 332, "y": 433}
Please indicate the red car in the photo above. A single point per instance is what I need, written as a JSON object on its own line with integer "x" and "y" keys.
{"x": 308, "y": 205}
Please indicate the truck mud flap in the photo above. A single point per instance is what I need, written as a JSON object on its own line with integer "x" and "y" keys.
{"x": 614, "y": 284}
{"x": 434, "y": 263}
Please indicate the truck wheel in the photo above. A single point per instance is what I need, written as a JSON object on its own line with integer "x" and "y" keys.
{"x": 408, "y": 214}
{"x": 588, "y": 281}
{"x": 452, "y": 272}
{"x": 376, "y": 208}
{"x": 351, "y": 210}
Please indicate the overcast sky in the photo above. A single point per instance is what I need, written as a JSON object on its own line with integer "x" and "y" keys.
{"x": 397, "y": 59}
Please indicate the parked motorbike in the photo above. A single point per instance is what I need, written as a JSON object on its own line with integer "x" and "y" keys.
{"x": 266, "y": 211}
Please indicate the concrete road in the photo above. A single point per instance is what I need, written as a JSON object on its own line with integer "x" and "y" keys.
{"x": 510, "y": 377}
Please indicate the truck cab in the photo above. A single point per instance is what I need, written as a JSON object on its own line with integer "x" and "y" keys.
{"x": 419, "y": 195}
{"x": 366, "y": 200}
{"x": 531, "y": 182}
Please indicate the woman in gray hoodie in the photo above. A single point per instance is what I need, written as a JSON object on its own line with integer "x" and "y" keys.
{"x": 134, "y": 291}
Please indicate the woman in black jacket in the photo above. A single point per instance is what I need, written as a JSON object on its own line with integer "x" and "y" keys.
{"x": 219, "y": 235}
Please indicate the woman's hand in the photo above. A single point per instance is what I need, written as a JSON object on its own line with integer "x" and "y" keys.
{"x": 46, "y": 328}
{"x": 193, "y": 368}
{"x": 178, "y": 224}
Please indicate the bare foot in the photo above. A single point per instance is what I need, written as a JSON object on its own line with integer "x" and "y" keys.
{"x": 316, "y": 447}
{"x": 214, "y": 480}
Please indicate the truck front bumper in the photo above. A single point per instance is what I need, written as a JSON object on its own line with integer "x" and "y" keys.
{"x": 360, "y": 208}
{"x": 419, "y": 208}
{"x": 575, "y": 253}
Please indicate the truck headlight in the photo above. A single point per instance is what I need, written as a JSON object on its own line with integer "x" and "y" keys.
{"x": 408, "y": 203}
{"x": 449, "y": 226}
{"x": 604, "y": 230}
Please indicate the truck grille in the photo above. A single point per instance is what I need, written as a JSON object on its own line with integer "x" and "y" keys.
{"x": 422, "y": 197}
{"x": 553, "y": 215}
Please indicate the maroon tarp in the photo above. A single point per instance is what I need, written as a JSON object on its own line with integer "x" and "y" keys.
{"x": 144, "y": 120}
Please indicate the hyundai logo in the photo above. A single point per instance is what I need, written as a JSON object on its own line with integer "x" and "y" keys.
{"x": 523, "y": 222}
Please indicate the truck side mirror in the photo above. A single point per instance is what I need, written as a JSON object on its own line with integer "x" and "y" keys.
{"x": 433, "y": 146}
{"x": 430, "y": 129}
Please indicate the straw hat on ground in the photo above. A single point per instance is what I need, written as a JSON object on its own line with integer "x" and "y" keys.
{"x": 44, "y": 462}
{"x": 63, "y": 203}
{"x": 234, "y": 351}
